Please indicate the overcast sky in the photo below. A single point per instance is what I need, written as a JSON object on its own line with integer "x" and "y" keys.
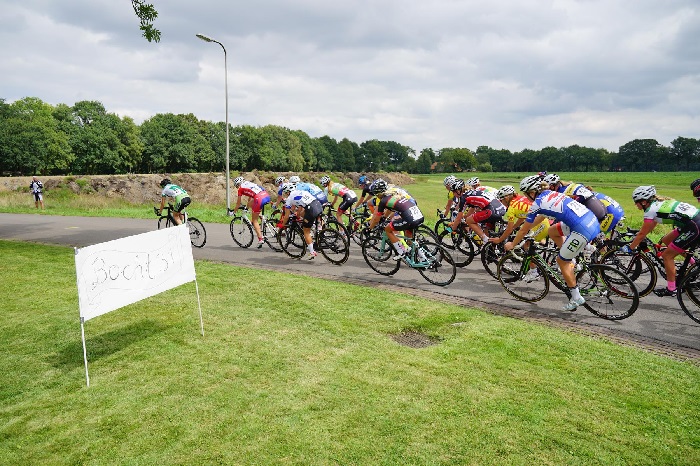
{"x": 510, "y": 74}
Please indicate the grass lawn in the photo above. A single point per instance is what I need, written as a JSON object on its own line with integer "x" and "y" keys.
{"x": 284, "y": 375}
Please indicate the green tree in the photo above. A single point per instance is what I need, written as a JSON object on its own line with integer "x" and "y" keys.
{"x": 642, "y": 155}
{"x": 685, "y": 152}
{"x": 346, "y": 155}
{"x": 147, "y": 14}
{"x": 425, "y": 161}
{"x": 173, "y": 143}
{"x": 30, "y": 139}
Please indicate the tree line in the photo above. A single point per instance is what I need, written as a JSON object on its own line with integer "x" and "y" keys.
{"x": 85, "y": 139}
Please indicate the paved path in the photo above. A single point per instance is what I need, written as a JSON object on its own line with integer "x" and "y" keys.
{"x": 659, "y": 324}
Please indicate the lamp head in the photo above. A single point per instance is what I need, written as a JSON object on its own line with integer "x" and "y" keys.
{"x": 205, "y": 38}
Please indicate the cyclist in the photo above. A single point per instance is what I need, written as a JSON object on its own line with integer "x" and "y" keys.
{"x": 449, "y": 179}
{"x": 686, "y": 234}
{"x": 279, "y": 182}
{"x": 517, "y": 209}
{"x": 695, "y": 187}
{"x": 258, "y": 196}
{"x": 578, "y": 192}
{"x": 364, "y": 183}
{"x": 178, "y": 194}
{"x": 406, "y": 214}
{"x": 481, "y": 206}
{"x": 338, "y": 190}
{"x": 475, "y": 183}
{"x": 305, "y": 206}
{"x": 575, "y": 227}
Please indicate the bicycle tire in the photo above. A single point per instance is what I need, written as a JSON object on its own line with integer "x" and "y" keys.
{"x": 460, "y": 248}
{"x": 608, "y": 291}
{"x": 198, "y": 235}
{"x": 440, "y": 226}
{"x": 640, "y": 268}
{"x": 333, "y": 246}
{"x": 292, "y": 241}
{"x": 241, "y": 231}
{"x": 441, "y": 270}
{"x": 378, "y": 253}
{"x": 689, "y": 294}
{"x": 270, "y": 234}
{"x": 490, "y": 255}
{"x": 513, "y": 279}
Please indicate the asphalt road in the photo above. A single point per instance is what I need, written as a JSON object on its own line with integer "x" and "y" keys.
{"x": 659, "y": 324}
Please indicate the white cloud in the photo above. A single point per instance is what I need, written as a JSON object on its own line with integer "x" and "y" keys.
{"x": 508, "y": 74}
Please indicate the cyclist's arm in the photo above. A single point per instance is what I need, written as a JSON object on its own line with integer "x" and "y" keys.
{"x": 524, "y": 230}
{"x": 647, "y": 228}
{"x": 510, "y": 228}
{"x": 162, "y": 203}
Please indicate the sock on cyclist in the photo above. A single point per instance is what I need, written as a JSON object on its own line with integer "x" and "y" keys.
{"x": 671, "y": 285}
{"x": 575, "y": 293}
{"x": 399, "y": 248}
{"x": 310, "y": 248}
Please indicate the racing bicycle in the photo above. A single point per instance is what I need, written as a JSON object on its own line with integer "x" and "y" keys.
{"x": 198, "y": 235}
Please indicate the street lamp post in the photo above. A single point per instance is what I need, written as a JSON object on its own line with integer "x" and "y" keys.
{"x": 228, "y": 188}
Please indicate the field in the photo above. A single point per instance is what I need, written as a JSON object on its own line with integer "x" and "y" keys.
{"x": 284, "y": 375}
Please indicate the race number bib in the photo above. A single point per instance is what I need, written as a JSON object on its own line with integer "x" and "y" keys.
{"x": 578, "y": 208}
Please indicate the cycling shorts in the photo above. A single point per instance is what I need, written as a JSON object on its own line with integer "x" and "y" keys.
{"x": 348, "y": 200}
{"x": 260, "y": 200}
{"x": 182, "y": 203}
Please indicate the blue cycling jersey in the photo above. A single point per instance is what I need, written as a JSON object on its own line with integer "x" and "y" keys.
{"x": 566, "y": 210}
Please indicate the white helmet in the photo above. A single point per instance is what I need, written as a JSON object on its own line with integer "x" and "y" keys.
{"x": 552, "y": 178}
{"x": 288, "y": 187}
{"x": 531, "y": 183}
{"x": 325, "y": 180}
{"x": 294, "y": 179}
{"x": 279, "y": 180}
{"x": 238, "y": 181}
{"x": 473, "y": 181}
{"x": 643, "y": 193}
{"x": 449, "y": 179}
{"x": 504, "y": 191}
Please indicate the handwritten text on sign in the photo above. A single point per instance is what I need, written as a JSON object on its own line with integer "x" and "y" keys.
{"x": 116, "y": 273}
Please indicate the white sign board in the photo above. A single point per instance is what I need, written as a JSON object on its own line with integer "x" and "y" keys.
{"x": 120, "y": 272}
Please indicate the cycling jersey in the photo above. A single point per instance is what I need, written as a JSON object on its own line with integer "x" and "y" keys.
{"x": 671, "y": 212}
{"x": 518, "y": 209}
{"x": 182, "y": 199}
{"x": 613, "y": 212}
{"x": 257, "y": 193}
{"x": 408, "y": 215}
{"x": 586, "y": 197}
{"x": 317, "y": 192}
{"x": 312, "y": 206}
{"x": 563, "y": 209}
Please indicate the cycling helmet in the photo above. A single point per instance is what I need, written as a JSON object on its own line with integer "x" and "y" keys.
{"x": 294, "y": 179}
{"x": 279, "y": 180}
{"x": 362, "y": 180}
{"x": 457, "y": 185}
{"x": 164, "y": 182}
{"x": 531, "y": 183}
{"x": 288, "y": 187}
{"x": 695, "y": 186}
{"x": 324, "y": 180}
{"x": 504, "y": 191}
{"x": 473, "y": 181}
{"x": 378, "y": 187}
{"x": 449, "y": 179}
{"x": 238, "y": 181}
{"x": 643, "y": 193}
{"x": 552, "y": 178}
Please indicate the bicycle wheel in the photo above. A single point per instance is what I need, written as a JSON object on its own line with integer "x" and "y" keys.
{"x": 689, "y": 294}
{"x": 334, "y": 247}
{"x": 292, "y": 241}
{"x": 269, "y": 231}
{"x": 490, "y": 255}
{"x": 637, "y": 266}
{"x": 609, "y": 292}
{"x": 440, "y": 226}
{"x": 441, "y": 269}
{"x": 198, "y": 235}
{"x": 460, "y": 248}
{"x": 242, "y": 231}
{"x": 378, "y": 254}
{"x": 529, "y": 284}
